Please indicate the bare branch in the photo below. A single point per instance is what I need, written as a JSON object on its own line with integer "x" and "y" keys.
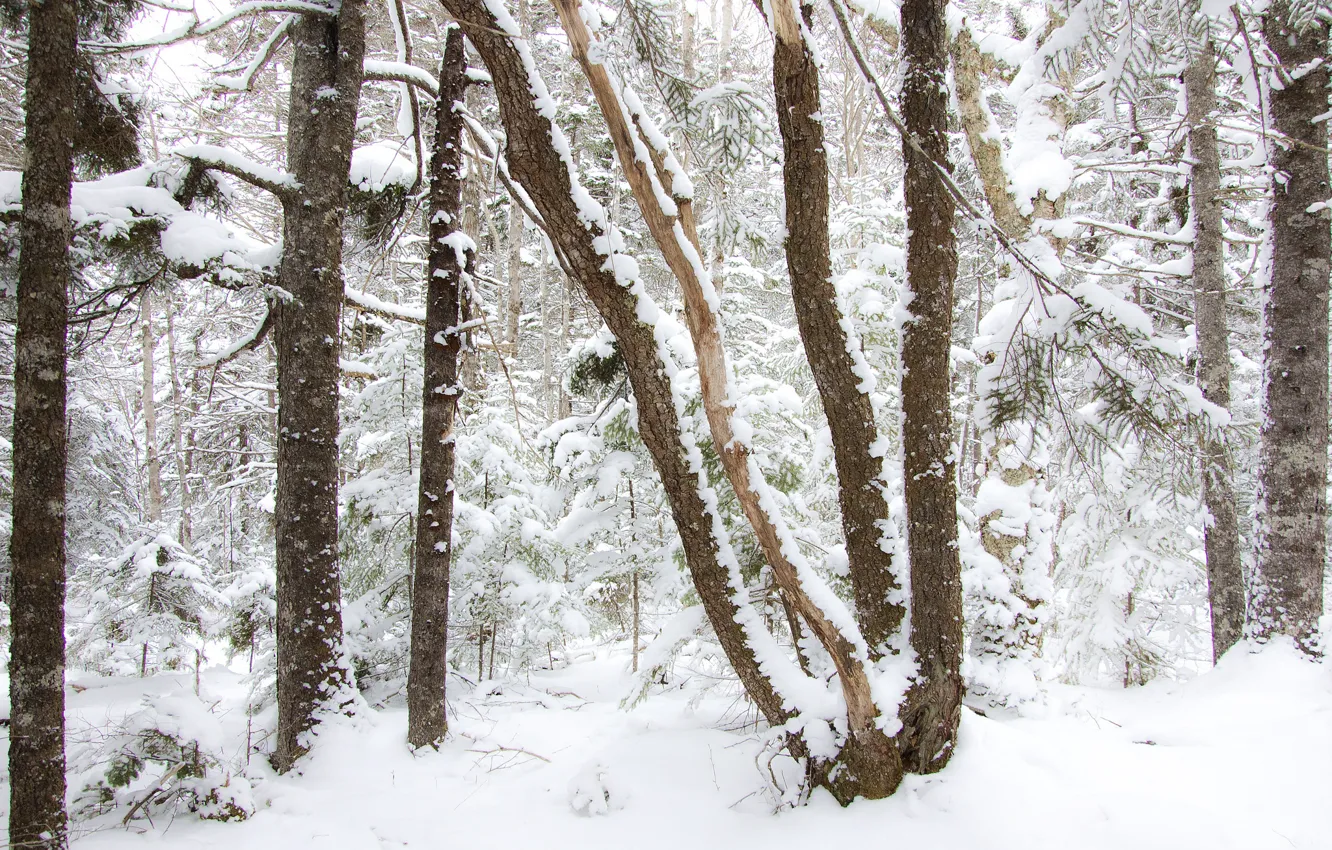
{"x": 245, "y": 82}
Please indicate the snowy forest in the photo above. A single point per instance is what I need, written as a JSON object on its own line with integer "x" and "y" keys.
{"x": 798, "y": 422}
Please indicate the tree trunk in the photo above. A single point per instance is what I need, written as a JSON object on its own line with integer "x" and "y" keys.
{"x": 515, "y": 306}
{"x": 1292, "y": 477}
{"x": 934, "y": 704}
{"x": 178, "y": 422}
{"x": 1016, "y": 535}
{"x": 834, "y": 358}
{"x": 537, "y": 167}
{"x": 426, "y": 678}
{"x": 1225, "y": 581}
{"x": 148, "y": 395}
{"x": 636, "y": 635}
{"x": 325, "y": 91}
{"x": 37, "y": 541}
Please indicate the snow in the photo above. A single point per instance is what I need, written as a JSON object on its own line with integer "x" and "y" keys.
{"x": 376, "y": 68}
{"x": 109, "y": 208}
{"x": 238, "y": 161}
{"x": 381, "y": 165}
{"x": 553, "y": 761}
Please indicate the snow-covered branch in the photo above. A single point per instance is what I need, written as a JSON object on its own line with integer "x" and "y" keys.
{"x": 196, "y": 28}
{"x": 279, "y": 183}
{"x": 379, "y": 70}
{"x": 245, "y": 80}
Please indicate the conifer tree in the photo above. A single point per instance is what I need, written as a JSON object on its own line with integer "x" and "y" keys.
{"x": 37, "y": 545}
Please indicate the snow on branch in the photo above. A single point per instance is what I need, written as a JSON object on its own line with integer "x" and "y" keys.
{"x": 401, "y": 72}
{"x": 196, "y": 28}
{"x": 279, "y": 183}
{"x": 244, "y": 82}
{"x": 111, "y": 207}
{"x": 245, "y": 343}
{"x": 368, "y": 303}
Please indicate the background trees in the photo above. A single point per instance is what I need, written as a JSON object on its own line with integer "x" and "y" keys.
{"x": 932, "y": 416}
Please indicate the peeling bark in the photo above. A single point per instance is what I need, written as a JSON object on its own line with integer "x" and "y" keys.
{"x": 536, "y": 165}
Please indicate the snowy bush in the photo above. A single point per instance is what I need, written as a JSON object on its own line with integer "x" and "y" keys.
{"x": 166, "y": 756}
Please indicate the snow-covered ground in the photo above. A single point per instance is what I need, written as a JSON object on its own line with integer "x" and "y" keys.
{"x": 1240, "y": 757}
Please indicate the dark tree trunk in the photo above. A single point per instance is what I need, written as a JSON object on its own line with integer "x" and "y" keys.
{"x": 1225, "y": 581}
{"x": 934, "y": 703}
{"x": 1288, "y": 597}
{"x": 426, "y": 679}
{"x": 537, "y": 167}
{"x": 850, "y": 414}
{"x": 37, "y": 542}
{"x": 325, "y": 91}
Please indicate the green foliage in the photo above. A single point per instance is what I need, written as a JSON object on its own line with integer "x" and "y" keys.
{"x": 592, "y": 372}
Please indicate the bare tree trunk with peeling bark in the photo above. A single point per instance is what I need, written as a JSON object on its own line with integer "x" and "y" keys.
{"x": 36, "y": 595}
{"x": 428, "y": 672}
{"x": 868, "y": 764}
{"x": 1225, "y": 579}
{"x": 537, "y": 166}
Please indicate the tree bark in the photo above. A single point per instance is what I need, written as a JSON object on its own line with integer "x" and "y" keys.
{"x": 536, "y": 165}
{"x": 795, "y": 76}
{"x": 869, "y": 763}
{"x": 1292, "y": 478}
{"x": 37, "y": 543}
{"x": 149, "y": 401}
{"x": 327, "y": 55}
{"x": 1225, "y": 581}
{"x": 184, "y": 532}
{"x": 934, "y": 702}
{"x": 427, "y": 675}
{"x": 514, "y": 309}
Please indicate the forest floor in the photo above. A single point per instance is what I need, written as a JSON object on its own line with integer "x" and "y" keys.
{"x": 1240, "y": 757}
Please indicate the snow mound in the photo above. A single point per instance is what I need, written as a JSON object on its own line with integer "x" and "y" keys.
{"x": 593, "y": 792}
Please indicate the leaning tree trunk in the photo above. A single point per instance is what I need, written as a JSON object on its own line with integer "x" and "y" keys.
{"x": 835, "y": 358}
{"x": 536, "y": 165}
{"x": 868, "y": 764}
{"x": 326, "y": 73}
{"x": 37, "y": 540}
{"x": 1225, "y": 581}
{"x": 449, "y": 251}
{"x": 1292, "y": 478}
{"x": 934, "y": 704}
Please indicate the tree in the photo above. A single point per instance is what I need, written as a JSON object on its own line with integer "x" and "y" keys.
{"x": 1288, "y": 598}
{"x": 37, "y": 545}
{"x": 326, "y": 77}
{"x": 934, "y": 704}
{"x": 561, "y": 207}
{"x": 449, "y": 257}
{"x": 1225, "y": 580}
{"x": 867, "y": 764}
